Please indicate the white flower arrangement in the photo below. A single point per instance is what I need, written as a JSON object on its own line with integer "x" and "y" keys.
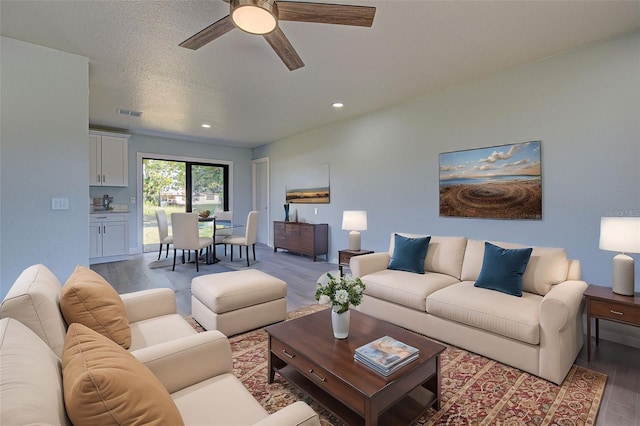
{"x": 341, "y": 292}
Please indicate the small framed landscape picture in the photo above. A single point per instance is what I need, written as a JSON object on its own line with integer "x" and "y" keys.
{"x": 499, "y": 182}
{"x": 309, "y": 185}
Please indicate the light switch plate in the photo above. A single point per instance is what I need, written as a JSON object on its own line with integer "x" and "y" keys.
{"x": 59, "y": 204}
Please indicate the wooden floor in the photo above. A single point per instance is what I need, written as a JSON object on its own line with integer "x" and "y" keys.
{"x": 621, "y": 400}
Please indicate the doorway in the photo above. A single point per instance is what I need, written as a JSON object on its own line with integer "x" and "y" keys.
{"x": 176, "y": 186}
{"x": 260, "y": 171}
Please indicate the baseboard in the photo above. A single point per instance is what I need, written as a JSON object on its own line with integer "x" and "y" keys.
{"x": 615, "y": 332}
{"x": 619, "y": 333}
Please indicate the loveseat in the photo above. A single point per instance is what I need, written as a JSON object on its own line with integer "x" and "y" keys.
{"x": 34, "y": 300}
{"x": 539, "y": 332}
{"x": 186, "y": 381}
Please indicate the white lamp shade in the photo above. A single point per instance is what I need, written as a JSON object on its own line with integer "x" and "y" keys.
{"x": 621, "y": 234}
{"x": 354, "y": 220}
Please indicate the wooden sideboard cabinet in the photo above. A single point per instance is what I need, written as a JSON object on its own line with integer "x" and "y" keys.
{"x": 306, "y": 238}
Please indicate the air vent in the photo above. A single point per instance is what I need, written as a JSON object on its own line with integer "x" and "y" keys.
{"x": 129, "y": 112}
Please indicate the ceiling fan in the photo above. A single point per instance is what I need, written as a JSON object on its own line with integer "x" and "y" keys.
{"x": 261, "y": 17}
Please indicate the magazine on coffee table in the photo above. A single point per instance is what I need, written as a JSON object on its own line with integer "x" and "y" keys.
{"x": 386, "y": 354}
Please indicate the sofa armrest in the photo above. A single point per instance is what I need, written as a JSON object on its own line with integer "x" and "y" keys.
{"x": 145, "y": 304}
{"x": 574, "y": 270}
{"x": 560, "y": 306}
{"x": 295, "y": 414}
{"x": 368, "y": 263}
{"x": 184, "y": 362}
{"x": 560, "y": 329}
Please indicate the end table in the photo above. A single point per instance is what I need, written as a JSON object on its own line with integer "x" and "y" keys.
{"x": 603, "y": 303}
{"x": 345, "y": 255}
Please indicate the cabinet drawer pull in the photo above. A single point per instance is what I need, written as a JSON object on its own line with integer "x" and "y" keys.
{"x": 287, "y": 354}
{"x": 616, "y": 312}
{"x": 318, "y": 376}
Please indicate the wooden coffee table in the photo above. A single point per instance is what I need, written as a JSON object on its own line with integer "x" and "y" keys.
{"x": 304, "y": 351}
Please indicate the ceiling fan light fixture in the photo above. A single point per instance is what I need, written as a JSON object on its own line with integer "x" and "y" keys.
{"x": 254, "y": 16}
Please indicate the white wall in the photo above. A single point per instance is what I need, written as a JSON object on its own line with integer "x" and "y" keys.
{"x": 43, "y": 154}
{"x": 584, "y": 105}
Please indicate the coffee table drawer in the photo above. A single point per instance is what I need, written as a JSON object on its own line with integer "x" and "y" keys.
{"x": 319, "y": 376}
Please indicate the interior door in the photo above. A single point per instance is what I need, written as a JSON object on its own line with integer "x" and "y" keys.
{"x": 261, "y": 198}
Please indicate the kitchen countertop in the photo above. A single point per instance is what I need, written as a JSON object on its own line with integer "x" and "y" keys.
{"x": 99, "y": 210}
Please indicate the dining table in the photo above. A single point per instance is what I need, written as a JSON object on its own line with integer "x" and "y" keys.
{"x": 217, "y": 225}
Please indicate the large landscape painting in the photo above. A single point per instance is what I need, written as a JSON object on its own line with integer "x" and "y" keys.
{"x": 500, "y": 182}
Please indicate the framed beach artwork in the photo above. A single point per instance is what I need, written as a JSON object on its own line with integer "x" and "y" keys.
{"x": 499, "y": 182}
{"x": 309, "y": 185}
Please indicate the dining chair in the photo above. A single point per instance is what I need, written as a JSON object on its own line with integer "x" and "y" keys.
{"x": 221, "y": 234}
{"x": 186, "y": 236}
{"x": 163, "y": 231}
{"x": 249, "y": 238}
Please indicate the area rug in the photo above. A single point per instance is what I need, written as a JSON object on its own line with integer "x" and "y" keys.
{"x": 475, "y": 389}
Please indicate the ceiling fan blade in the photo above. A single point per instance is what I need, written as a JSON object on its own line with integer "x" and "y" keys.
{"x": 361, "y": 16}
{"x": 280, "y": 43}
{"x": 212, "y": 32}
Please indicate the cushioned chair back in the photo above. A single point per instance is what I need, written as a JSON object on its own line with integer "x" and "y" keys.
{"x": 252, "y": 228}
{"x": 163, "y": 226}
{"x": 30, "y": 378}
{"x": 444, "y": 255}
{"x": 34, "y": 300}
{"x": 185, "y": 231}
{"x": 226, "y": 216}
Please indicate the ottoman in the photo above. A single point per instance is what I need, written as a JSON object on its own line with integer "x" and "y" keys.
{"x": 238, "y": 301}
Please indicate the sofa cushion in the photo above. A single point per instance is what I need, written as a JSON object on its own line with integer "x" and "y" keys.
{"x": 514, "y": 317}
{"x": 409, "y": 254}
{"x": 104, "y": 384}
{"x": 502, "y": 269}
{"x": 547, "y": 266}
{"x": 160, "y": 329}
{"x": 34, "y": 300}
{"x": 223, "y": 395}
{"x": 444, "y": 254}
{"x": 31, "y": 385}
{"x": 405, "y": 288}
{"x": 89, "y": 299}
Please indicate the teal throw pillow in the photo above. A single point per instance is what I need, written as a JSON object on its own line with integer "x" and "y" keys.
{"x": 409, "y": 254}
{"x": 502, "y": 269}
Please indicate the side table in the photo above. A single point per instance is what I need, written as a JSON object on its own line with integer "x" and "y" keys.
{"x": 345, "y": 255}
{"x": 603, "y": 303}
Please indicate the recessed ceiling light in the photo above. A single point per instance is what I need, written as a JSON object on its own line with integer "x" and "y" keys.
{"x": 206, "y": 126}
{"x": 337, "y": 104}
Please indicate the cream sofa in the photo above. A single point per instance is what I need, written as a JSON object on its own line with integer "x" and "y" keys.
{"x": 540, "y": 332}
{"x": 195, "y": 370}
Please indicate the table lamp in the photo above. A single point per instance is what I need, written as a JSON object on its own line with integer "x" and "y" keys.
{"x": 354, "y": 221}
{"x": 621, "y": 234}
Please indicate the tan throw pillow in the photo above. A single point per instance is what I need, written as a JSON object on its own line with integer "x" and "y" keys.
{"x": 106, "y": 385}
{"x": 88, "y": 299}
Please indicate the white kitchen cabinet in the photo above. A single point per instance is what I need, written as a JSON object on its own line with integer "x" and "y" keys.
{"x": 108, "y": 165}
{"x": 108, "y": 237}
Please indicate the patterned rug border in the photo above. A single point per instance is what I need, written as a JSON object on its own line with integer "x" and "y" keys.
{"x": 475, "y": 389}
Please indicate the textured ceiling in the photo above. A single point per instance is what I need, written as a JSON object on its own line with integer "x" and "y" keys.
{"x": 239, "y": 85}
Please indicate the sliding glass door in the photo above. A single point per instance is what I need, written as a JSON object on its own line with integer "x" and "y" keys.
{"x": 181, "y": 186}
